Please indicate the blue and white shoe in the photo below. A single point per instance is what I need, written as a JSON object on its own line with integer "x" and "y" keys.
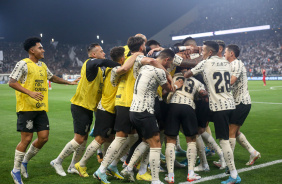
{"x": 184, "y": 162}
{"x": 114, "y": 171}
{"x": 17, "y": 177}
{"x": 180, "y": 153}
{"x": 232, "y": 180}
{"x": 101, "y": 176}
{"x": 24, "y": 170}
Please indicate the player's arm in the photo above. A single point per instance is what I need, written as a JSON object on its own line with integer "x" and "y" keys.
{"x": 233, "y": 79}
{"x": 190, "y": 63}
{"x": 194, "y": 71}
{"x": 59, "y": 80}
{"x": 13, "y": 83}
{"x": 128, "y": 64}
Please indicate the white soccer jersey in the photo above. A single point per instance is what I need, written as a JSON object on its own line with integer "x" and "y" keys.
{"x": 145, "y": 88}
{"x": 216, "y": 74}
{"x": 177, "y": 60}
{"x": 20, "y": 71}
{"x": 240, "y": 87}
{"x": 185, "y": 94}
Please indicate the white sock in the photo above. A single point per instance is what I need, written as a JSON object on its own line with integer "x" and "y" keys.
{"x": 144, "y": 162}
{"x": 170, "y": 157}
{"x": 228, "y": 156}
{"x": 90, "y": 150}
{"x": 242, "y": 140}
{"x": 111, "y": 153}
{"x": 201, "y": 150}
{"x": 19, "y": 156}
{"x": 232, "y": 142}
{"x": 209, "y": 140}
{"x": 191, "y": 155}
{"x": 69, "y": 148}
{"x": 154, "y": 160}
{"x": 138, "y": 152}
{"x": 78, "y": 154}
{"x": 32, "y": 151}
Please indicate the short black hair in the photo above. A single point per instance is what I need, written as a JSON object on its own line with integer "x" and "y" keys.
{"x": 189, "y": 41}
{"x": 213, "y": 46}
{"x": 134, "y": 43}
{"x": 91, "y": 46}
{"x": 30, "y": 42}
{"x": 117, "y": 53}
{"x": 166, "y": 53}
{"x": 152, "y": 42}
{"x": 220, "y": 43}
{"x": 235, "y": 49}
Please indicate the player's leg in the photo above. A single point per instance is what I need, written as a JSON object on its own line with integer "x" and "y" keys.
{"x": 122, "y": 127}
{"x": 221, "y": 122}
{"x": 82, "y": 120}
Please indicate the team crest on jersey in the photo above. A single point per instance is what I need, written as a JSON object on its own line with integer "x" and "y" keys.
{"x": 29, "y": 124}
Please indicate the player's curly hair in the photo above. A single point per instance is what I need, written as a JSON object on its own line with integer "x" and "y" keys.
{"x": 30, "y": 42}
{"x": 117, "y": 53}
{"x": 134, "y": 43}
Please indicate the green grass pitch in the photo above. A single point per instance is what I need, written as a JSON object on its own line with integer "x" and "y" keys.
{"x": 263, "y": 129}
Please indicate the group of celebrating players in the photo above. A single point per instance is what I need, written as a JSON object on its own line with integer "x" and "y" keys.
{"x": 143, "y": 96}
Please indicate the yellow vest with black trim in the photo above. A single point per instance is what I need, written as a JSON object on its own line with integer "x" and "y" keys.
{"x": 126, "y": 51}
{"x": 125, "y": 90}
{"x": 88, "y": 94}
{"x": 36, "y": 81}
{"x": 108, "y": 93}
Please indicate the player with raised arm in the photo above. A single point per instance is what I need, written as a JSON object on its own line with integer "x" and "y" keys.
{"x": 142, "y": 107}
{"x": 84, "y": 102}
{"x": 29, "y": 79}
{"x": 105, "y": 115}
{"x": 216, "y": 74}
{"x": 239, "y": 86}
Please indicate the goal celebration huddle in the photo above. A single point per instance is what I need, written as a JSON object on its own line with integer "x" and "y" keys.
{"x": 140, "y": 98}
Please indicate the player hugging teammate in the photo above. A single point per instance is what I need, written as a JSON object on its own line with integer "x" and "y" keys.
{"x": 144, "y": 95}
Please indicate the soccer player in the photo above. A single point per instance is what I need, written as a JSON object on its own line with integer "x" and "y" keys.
{"x": 29, "y": 79}
{"x": 239, "y": 84}
{"x": 84, "y": 102}
{"x": 216, "y": 74}
{"x": 182, "y": 113}
{"x": 142, "y": 107}
{"x": 263, "y": 76}
{"x": 126, "y": 136}
{"x": 105, "y": 115}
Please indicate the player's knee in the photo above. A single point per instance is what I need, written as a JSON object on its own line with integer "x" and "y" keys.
{"x": 26, "y": 140}
{"x": 44, "y": 139}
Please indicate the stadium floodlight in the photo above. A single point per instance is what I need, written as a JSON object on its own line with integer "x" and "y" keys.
{"x": 41, "y": 35}
{"x": 98, "y": 37}
{"x": 53, "y": 40}
{"x": 198, "y": 35}
{"x": 241, "y": 30}
{"x": 102, "y": 41}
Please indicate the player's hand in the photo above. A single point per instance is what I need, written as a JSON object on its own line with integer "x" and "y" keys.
{"x": 154, "y": 50}
{"x": 178, "y": 83}
{"x": 78, "y": 79}
{"x": 36, "y": 95}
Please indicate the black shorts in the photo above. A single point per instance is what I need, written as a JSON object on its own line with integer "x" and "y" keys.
{"x": 32, "y": 121}
{"x": 123, "y": 122}
{"x": 164, "y": 112}
{"x": 202, "y": 113}
{"x": 104, "y": 124}
{"x": 145, "y": 123}
{"x": 221, "y": 121}
{"x": 82, "y": 119}
{"x": 181, "y": 114}
{"x": 240, "y": 114}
